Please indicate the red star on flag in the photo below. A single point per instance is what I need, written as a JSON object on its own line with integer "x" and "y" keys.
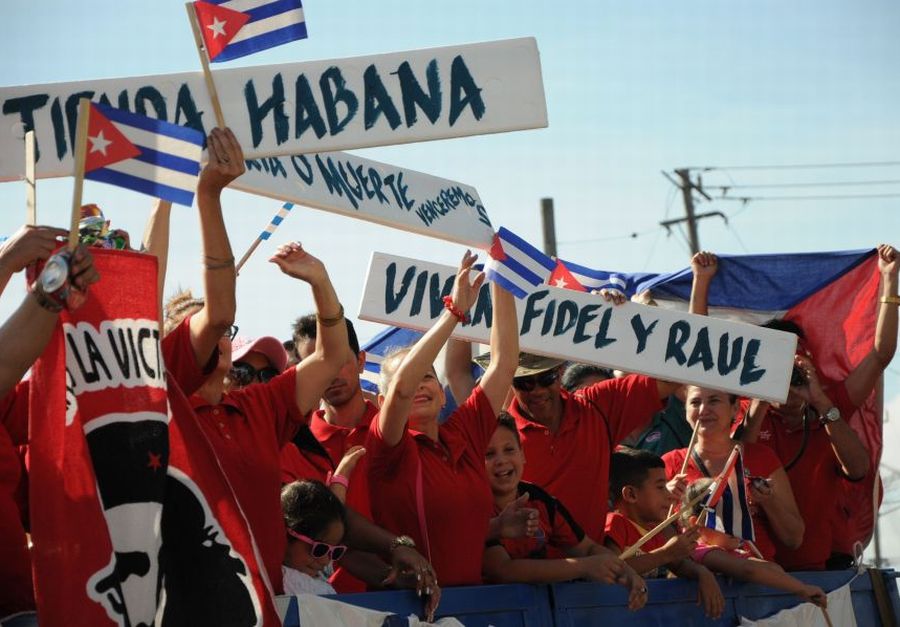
{"x": 218, "y": 25}
{"x": 105, "y": 143}
{"x": 496, "y": 251}
{"x": 155, "y": 460}
{"x": 562, "y": 277}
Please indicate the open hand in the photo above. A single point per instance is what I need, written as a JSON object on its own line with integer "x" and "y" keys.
{"x": 465, "y": 291}
{"x": 296, "y": 262}
{"x": 349, "y": 460}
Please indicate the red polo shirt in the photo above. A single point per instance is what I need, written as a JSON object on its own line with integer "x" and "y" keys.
{"x": 247, "y": 429}
{"x": 16, "y": 592}
{"x": 815, "y": 479}
{"x": 759, "y": 461}
{"x": 456, "y": 493}
{"x": 337, "y": 440}
{"x": 296, "y": 465}
{"x": 557, "y": 530}
{"x": 573, "y": 463}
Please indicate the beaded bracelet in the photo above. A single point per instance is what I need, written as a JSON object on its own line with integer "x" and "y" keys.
{"x": 450, "y": 306}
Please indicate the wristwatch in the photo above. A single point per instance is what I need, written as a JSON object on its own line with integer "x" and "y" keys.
{"x": 402, "y": 541}
{"x": 830, "y": 416}
{"x": 52, "y": 286}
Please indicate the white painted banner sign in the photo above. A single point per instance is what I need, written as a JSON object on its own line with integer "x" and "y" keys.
{"x": 361, "y": 188}
{"x": 673, "y": 346}
{"x": 314, "y": 106}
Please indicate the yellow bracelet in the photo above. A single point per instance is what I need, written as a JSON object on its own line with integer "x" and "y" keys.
{"x": 891, "y": 300}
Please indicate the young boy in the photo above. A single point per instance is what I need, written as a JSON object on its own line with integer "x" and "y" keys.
{"x": 640, "y": 500}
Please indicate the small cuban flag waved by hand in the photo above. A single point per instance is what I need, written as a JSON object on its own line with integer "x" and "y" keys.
{"x": 236, "y": 28}
{"x": 142, "y": 154}
{"x": 516, "y": 265}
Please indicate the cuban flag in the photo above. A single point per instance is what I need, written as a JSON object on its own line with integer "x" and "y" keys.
{"x": 516, "y": 265}
{"x": 833, "y": 296}
{"x": 236, "y": 28}
{"x": 570, "y": 275}
{"x": 390, "y": 339}
{"x": 142, "y": 154}
{"x": 727, "y": 506}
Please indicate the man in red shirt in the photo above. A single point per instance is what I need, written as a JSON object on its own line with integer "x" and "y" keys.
{"x": 810, "y": 435}
{"x": 568, "y": 438}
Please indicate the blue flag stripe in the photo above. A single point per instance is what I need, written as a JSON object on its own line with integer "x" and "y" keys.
{"x": 505, "y": 283}
{"x": 262, "y": 42}
{"x": 158, "y": 190}
{"x": 514, "y": 265}
{"x": 273, "y": 8}
{"x": 170, "y": 162}
{"x": 508, "y": 236}
{"x": 183, "y": 133}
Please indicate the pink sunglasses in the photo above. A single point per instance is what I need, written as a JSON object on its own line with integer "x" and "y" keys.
{"x": 320, "y": 549}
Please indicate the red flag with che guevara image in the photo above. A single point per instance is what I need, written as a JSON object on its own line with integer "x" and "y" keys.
{"x": 133, "y": 521}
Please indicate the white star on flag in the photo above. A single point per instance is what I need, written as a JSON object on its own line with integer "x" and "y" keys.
{"x": 99, "y": 143}
{"x": 217, "y": 27}
{"x": 561, "y": 282}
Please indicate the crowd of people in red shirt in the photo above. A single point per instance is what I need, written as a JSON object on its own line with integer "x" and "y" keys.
{"x": 545, "y": 472}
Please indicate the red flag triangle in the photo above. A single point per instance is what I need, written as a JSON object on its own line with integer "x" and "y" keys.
{"x": 218, "y": 25}
{"x": 105, "y": 143}
{"x": 562, "y": 277}
{"x": 496, "y": 251}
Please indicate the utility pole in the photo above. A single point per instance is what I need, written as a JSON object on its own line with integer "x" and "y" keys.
{"x": 687, "y": 188}
{"x": 687, "y": 195}
{"x": 549, "y": 225}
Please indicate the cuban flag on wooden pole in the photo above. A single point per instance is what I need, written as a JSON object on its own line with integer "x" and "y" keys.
{"x": 516, "y": 265}
{"x": 266, "y": 234}
{"x": 727, "y": 507}
{"x": 149, "y": 156}
{"x": 236, "y": 28}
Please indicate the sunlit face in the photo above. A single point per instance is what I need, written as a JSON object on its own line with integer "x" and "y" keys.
{"x": 298, "y": 554}
{"x": 712, "y": 408}
{"x": 427, "y": 401}
{"x": 542, "y": 400}
{"x": 503, "y": 461}
{"x": 346, "y": 384}
{"x": 652, "y": 498}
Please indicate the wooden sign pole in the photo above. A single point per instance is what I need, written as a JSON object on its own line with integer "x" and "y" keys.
{"x": 30, "y": 184}
{"x": 84, "y": 112}
{"x": 204, "y": 61}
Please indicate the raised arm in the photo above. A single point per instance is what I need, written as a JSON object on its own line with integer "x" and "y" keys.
{"x": 156, "y": 243}
{"x": 25, "y": 334}
{"x": 458, "y": 368}
{"x": 318, "y": 370}
{"x": 226, "y": 163}
{"x": 862, "y": 380}
{"x": 849, "y": 450}
{"x": 504, "y": 348}
{"x": 417, "y": 363}
{"x": 704, "y": 266}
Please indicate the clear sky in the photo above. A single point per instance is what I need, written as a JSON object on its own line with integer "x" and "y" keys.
{"x": 632, "y": 88}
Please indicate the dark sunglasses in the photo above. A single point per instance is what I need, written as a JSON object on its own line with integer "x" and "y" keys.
{"x": 243, "y": 373}
{"x": 231, "y": 332}
{"x": 544, "y": 380}
{"x": 320, "y": 549}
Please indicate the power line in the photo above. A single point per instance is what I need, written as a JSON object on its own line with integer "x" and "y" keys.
{"x": 803, "y": 166}
{"x": 820, "y": 184}
{"x": 746, "y": 199}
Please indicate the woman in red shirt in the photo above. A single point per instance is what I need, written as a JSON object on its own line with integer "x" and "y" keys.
{"x": 426, "y": 480}
{"x": 772, "y": 505}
